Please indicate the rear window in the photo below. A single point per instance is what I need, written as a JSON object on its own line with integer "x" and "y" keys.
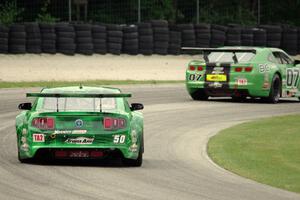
{"x": 227, "y": 57}
{"x": 80, "y": 104}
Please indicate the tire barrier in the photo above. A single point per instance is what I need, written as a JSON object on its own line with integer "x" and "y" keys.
{"x": 130, "y": 40}
{"x": 247, "y": 36}
{"x": 161, "y": 36}
{"x": 99, "y": 38}
{"x": 188, "y": 36}
{"x": 145, "y": 35}
{"x": 233, "y": 36}
{"x": 17, "y": 39}
{"x": 259, "y": 37}
{"x": 175, "y": 41}
{"x": 65, "y": 41}
{"x": 33, "y": 38}
{"x": 273, "y": 35}
{"x": 203, "y": 35}
{"x": 298, "y": 43}
{"x": 114, "y": 39}
{"x": 48, "y": 36}
{"x": 289, "y": 39}
{"x": 218, "y": 35}
{"x": 3, "y": 39}
{"x": 156, "y": 36}
{"x": 83, "y": 39}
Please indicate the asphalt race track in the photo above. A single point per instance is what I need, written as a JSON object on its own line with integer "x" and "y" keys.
{"x": 175, "y": 166}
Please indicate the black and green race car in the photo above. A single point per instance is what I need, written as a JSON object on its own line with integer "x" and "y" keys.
{"x": 241, "y": 72}
{"x": 80, "y": 123}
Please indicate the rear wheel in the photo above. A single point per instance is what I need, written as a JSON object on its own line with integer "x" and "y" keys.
{"x": 135, "y": 162}
{"x": 275, "y": 90}
{"x": 199, "y": 95}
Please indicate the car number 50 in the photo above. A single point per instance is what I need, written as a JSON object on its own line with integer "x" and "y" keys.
{"x": 119, "y": 139}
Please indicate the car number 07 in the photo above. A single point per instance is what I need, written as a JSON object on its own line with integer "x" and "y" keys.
{"x": 195, "y": 77}
{"x": 119, "y": 139}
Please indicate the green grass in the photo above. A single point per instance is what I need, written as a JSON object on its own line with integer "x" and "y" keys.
{"x": 267, "y": 151}
{"x": 72, "y": 83}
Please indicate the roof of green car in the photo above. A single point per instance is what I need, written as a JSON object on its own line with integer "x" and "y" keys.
{"x": 82, "y": 89}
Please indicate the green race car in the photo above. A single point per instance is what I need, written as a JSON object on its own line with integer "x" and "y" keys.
{"x": 241, "y": 72}
{"x": 80, "y": 123}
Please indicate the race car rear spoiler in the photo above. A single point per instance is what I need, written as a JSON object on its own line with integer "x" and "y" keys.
{"x": 77, "y": 95}
{"x": 206, "y": 51}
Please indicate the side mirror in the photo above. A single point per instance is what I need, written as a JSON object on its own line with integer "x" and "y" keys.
{"x": 136, "y": 106}
{"x": 25, "y": 106}
{"x": 296, "y": 62}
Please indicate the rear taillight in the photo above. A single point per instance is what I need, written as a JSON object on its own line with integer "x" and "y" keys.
{"x": 238, "y": 69}
{"x": 110, "y": 123}
{"x": 200, "y": 68}
{"x": 248, "y": 69}
{"x": 192, "y": 68}
{"x": 44, "y": 123}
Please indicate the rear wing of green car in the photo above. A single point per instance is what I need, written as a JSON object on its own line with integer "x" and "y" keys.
{"x": 207, "y": 51}
{"x": 78, "y": 95}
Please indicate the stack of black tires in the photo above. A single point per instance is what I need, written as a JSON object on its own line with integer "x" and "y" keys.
{"x": 174, "y": 40}
{"x": 233, "y": 36}
{"x": 289, "y": 39}
{"x": 203, "y": 35}
{"x": 298, "y": 42}
{"x": 259, "y": 37}
{"x": 3, "y": 39}
{"x": 65, "y": 41}
{"x": 161, "y": 36}
{"x": 48, "y": 36}
{"x": 17, "y": 39}
{"x": 218, "y": 35}
{"x": 145, "y": 35}
{"x": 114, "y": 39}
{"x": 33, "y": 38}
{"x": 273, "y": 35}
{"x": 188, "y": 36}
{"x": 130, "y": 40}
{"x": 84, "y": 40}
{"x": 247, "y": 36}
{"x": 99, "y": 38}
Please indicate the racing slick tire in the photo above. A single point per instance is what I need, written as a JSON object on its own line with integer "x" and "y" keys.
{"x": 199, "y": 95}
{"x": 275, "y": 90}
{"x": 135, "y": 162}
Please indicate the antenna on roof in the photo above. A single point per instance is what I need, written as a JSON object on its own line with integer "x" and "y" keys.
{"x": 80, "y": 86}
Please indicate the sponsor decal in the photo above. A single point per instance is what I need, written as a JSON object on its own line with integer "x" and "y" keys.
{"x": 78, "y": 123}
{"x": 215, "y": 85}
{"x": 80, "y": 140}
{"x": 215, "y": 77}
{"x": 218, "y": 70}
{"x": 38, "y": 137}
{"x": 70, "y": 131}
{"x": 242, "y": 81}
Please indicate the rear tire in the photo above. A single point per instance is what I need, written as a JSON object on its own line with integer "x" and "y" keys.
{"x": 135, "y": 162}
{"x": 275, "y": 90}
{"x": 199, "y": 95}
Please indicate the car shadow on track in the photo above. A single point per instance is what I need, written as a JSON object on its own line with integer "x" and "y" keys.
{"x": 252, "y": 100}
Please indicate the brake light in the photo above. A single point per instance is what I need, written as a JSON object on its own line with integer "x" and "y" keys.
{"x": 200, "y": 68}
{"x": 110, "y": 123}
{"x": 192, "y": 68}
{"x": 44, "y": 123}
{"x": 248, "y": 69}
{"x": 238, "y": 69}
